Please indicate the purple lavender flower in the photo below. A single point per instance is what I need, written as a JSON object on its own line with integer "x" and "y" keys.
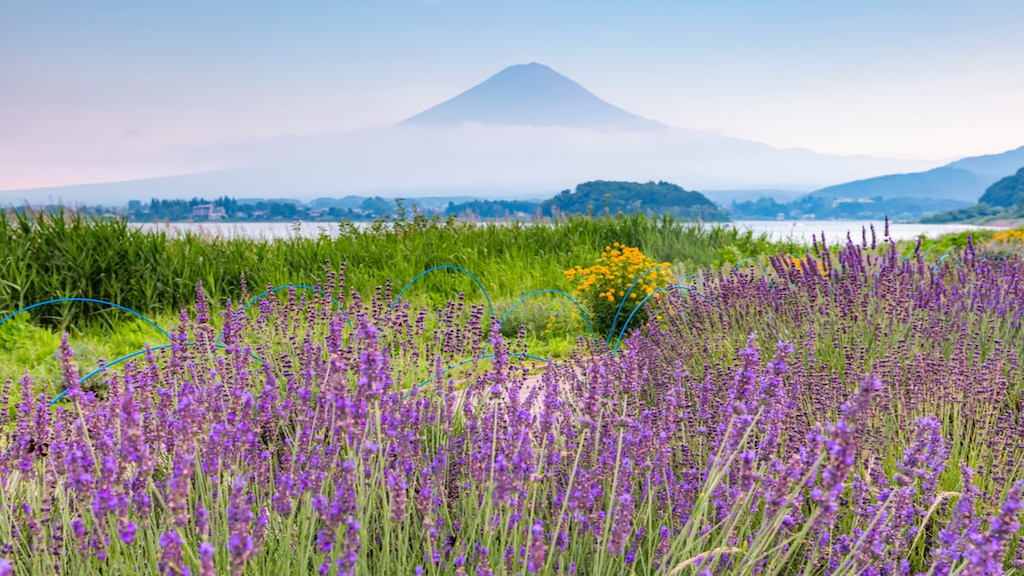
{"x": 955, "y": 535}
{"x": 240, "y": 541}
{"x": 171, "y": 561}
{"x": 206, "y": 551}
{"x": 178, "y": 488}
{"x": 202, "y": 520}
{"x": 538, "y": 548}
{"x": 70, "y": 373}
{"x": 984, "y": 551}
{"x": 127, "y": 532}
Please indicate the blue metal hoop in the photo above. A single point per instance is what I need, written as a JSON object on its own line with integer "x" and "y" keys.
{"x": 447, "y": 267}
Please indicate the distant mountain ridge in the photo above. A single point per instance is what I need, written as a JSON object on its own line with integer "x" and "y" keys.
{"x": 944, "y": 182}
{"x": 993, "y": 165}
{"x": 531, "y": 95}
{"x": 971, "y": 188}
{"x": 964, "y": 180}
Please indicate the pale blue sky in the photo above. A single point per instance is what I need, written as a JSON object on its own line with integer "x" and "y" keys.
{"x": 102, "y": 90}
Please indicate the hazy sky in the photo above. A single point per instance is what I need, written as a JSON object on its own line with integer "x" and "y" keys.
{"x": 103, "y": 90}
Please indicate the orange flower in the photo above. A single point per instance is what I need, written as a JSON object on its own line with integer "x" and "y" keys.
{"x": 618, "y": 280}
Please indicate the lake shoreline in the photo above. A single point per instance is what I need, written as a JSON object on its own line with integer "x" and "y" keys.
{"x": 803, "y": 231}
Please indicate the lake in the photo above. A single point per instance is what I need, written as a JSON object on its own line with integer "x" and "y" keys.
{"x": 798, "y": 230}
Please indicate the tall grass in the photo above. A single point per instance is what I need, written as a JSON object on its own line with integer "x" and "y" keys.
{"x": 68, "y": 255}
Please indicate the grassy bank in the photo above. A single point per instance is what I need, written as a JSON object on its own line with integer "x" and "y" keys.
{"x": 154, "y": 272}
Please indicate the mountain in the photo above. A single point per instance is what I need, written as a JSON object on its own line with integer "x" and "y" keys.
{"x": 1007, "y": 192}
{"x": 943, "y": 182}
{"x": 526, "y": 131}
{"x": 629, "y": 197}
{"x": 531, "y": 95}
{"x": 993, "y": 165}
{"x": 964, "y": 180}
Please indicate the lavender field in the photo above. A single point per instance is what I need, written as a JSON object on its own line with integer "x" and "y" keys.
{"x": 851, "y": 411}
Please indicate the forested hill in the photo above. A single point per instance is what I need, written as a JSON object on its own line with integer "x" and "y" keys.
{"x": 601, "y": 197}
{"x": 1008, "y": 192}
{"x": 1003, "y": 200}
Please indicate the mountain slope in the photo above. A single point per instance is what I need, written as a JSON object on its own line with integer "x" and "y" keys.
{"x": 963, "y": 180}
{"x": 944, "y": 182}
{"x": 993, "y": 165}
{"x": 531, "y": 95}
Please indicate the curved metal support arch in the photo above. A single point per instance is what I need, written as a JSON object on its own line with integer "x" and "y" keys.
{"x": 927, "y": 251}
{"x": 93, "y": 301}
{"x": 277, "y": 289}
{"x": 959, "y": 262}
{"x": 947, "y": 251}
{"x": 583, "y": 312}
{"x": 625, "y": 297}
{"x": 447, "y": 267}
{"x": 127, "y": 357}
{"x": 912, "y": 248}
{"x": 756, "y": 259}
{"x": 640, "y": 305}
{"x": 945, "y": 255}
{"x": 1006, "y": 253}
{"x": 124, "y": 358}
{"x": 491, "y": 355}
{"x": 1009, "y": 250}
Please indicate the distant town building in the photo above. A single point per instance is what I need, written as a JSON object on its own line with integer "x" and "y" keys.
{"x": 839, "y": 201}
{"x": 208, "y": 212}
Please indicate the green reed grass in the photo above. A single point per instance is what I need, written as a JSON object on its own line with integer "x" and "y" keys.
{"x": 68, "y": 255}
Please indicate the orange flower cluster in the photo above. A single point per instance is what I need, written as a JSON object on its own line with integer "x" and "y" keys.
{"x": 603, "y": 285}
{"x": 1008, "y": 237}
{"x": 799, "y": 264}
